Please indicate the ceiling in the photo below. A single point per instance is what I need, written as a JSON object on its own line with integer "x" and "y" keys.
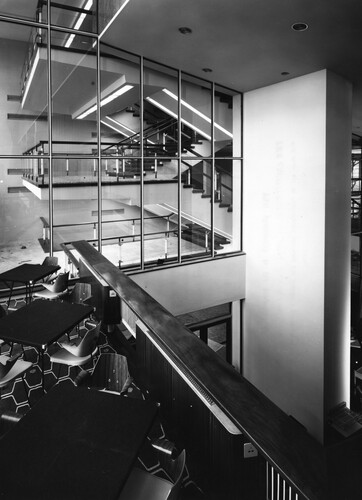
{"x": 248, "y": 44}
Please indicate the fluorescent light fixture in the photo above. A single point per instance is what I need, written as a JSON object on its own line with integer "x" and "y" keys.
{"x": 197, "y": 112}
{"x": 88, "y": 112}
{"x": 116, "y": 94}
{"x": 174, "y": 115}
{"x": 121, "y": 125}
{"x": 79, "y": 23}
{"x": 31, "y": 76}
{"x": 113, "y": 18}
{"x": 113, "y": 128}
{"x": 106, "y": 100}
{"x": 124, "y": 126}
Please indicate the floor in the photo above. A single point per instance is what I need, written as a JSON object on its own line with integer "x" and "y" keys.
{"x": 14, "y": 398}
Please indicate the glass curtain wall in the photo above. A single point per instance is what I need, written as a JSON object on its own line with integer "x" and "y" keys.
{"x": 24, "y": 231}
{"x": 139, "y": 159}
{"x": 121, "y": 157}
{"x": 74, "y": 139}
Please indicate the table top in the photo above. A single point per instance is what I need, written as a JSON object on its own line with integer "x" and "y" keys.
{"x": 27, "y": 273}
{"x": 75, "y": 443}
{"x": 42, "y": 322}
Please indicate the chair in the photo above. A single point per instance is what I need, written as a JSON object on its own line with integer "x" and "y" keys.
{"x": 13, "y": 368}
{"x": 55, "y": 290}
{"x": 8, "y": 419}
{"x": 79, "y": 351}
{"x": 110, "y": 374}
{"x": 80, "y": 294}
{"x": 50, "y": 261}
{"x": 143, "y": 485}
{"x": 4, "y": 312}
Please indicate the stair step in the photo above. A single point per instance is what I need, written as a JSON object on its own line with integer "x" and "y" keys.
{"x": 230, "y": 209}
{"x": 198, "y": 190}
{"x": 224, "y": 205}
{"x": 187, "y": 185}
{"x": 206, "y": 196}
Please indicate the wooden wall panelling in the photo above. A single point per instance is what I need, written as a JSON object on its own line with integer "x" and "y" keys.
{"x": 214, "y": 455}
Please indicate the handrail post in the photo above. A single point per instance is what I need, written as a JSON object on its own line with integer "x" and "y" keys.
{"x": 217, "y": 187}
{"x": 206, "y": 240}
{"x": 120, "y": 241}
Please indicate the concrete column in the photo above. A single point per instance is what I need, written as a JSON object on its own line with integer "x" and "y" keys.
{"x": 297, "y": 146}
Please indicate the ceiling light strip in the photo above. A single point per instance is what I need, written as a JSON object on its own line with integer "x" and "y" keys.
{"x": 174, "y": 115}
{"x": 121, "y": 125}
{"x": 113, "y": 18}
{"x": 79, "y": 23}
{"x": 197, "y": 112}
{"x": 114, "y": 128}
{"x": 106, "y": 100}
{"x": 31, "y": 76}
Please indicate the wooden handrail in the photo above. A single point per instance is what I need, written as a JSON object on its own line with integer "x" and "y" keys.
{"x": 317, "y": 472}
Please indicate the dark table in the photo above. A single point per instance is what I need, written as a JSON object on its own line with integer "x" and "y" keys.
{"x": 74, "y": 444}
{"x": 27, "y": 274}
{"x": 41, "y": 323}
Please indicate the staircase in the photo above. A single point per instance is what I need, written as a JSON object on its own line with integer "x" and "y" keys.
{"x": 199, "y": 235}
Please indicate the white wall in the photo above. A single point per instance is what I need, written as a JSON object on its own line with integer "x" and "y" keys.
{"x": 289, "y": 180}
{"x": 195, "y": 286}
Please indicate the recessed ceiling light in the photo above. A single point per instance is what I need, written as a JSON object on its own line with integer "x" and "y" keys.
{"x": 185, "y": 31}
{"x": 300, "y": 26}
{"x": 207, "y": 70}
{"x": 285, "y": 73}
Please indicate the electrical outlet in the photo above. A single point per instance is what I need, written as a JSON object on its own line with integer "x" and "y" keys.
{"x": 250, "y": 450}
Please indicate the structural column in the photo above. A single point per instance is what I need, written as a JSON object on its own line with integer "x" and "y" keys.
{"x": 296, "y": 219}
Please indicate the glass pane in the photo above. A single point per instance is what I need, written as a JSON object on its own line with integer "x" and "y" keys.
{"x": 196, "y": 208}
{"x": 107, "y": 10}
{"x": 196, "y": 100}
{"x": 160, "y": 112}
{"x": 120, "y": 103}
{"x": 33, "y": 10}
{"x": 121, "y": 227}
{"x": 161, "y": 164}
{"x": 23, "y": 80}
{"x": 75, "y": 195}
{"x": 227, "y": 125}
{"x": 74, "y": 91}
{"x": 24, "y": 235}
{"x": 161, "y": 222}
{"x": 75, "y": 14}
{"x": 227, "y": 211}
